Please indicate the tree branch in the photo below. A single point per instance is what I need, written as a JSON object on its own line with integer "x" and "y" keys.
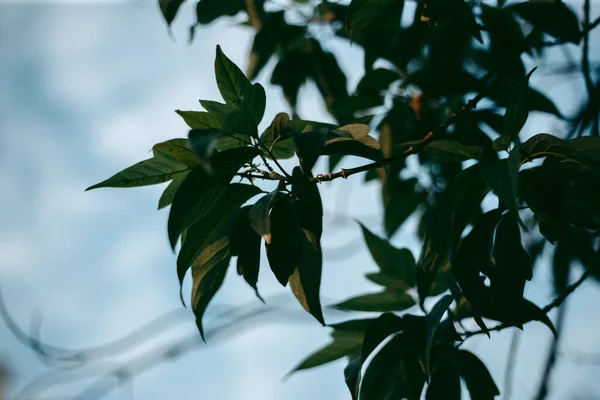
{"x": 430, "y": 137}
{"x": 585, "y": 62}
{"x": 552, "y": 353}
{"x": 553, "y": 304}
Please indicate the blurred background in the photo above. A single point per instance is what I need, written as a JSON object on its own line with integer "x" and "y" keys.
{"x": 86, "y": 89}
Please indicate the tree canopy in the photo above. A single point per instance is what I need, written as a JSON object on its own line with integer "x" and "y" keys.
{"x": 446, "y": 83}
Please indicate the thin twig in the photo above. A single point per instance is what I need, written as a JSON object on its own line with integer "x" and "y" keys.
{"x": 273, "y": 176}
{"x": 270, "y": 152}
{"x": 430, "y": 137}
{"x": 553, "y": 304}
{"x": 510, "y": 364}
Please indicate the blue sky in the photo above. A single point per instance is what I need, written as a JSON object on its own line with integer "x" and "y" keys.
{"x": 87, "y": 89}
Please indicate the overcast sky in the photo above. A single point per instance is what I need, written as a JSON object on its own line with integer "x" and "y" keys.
{"x": 86, "y": 90}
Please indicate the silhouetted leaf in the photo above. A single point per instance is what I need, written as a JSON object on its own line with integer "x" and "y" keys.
{"x": 363, "y": 13}
{"x": 167, "y": 196}
{"x": 517, "y": 110}
{"x": 479, "y": 382}
{"x": 449, "y": 150}
{"x": 563, "y": 254}
{"x": 501, "y": 179}
{"x": 353, "y": 140}
{"x": 259, "y": 214}
{"x": 344, "y": 343}
{"x": 209, "y": 10}
{"x": 148, "y": 172}
{"x": 236, "y": 88}
{"x": 309, "y": 147}
{"x": 377, "y": 331}
{"x": 169, "y": 9}
{"x": 431, "y": 324}
{"x": 394, "y": 372}
{"x": 305, "y": 282}
{"x": 212, "y": 224}
{"x": 502, "y": 89}
{"x": 376, "y": 80}
{"x": 456, "y": 207}
{"x": 285, "y": 245}
{"x": 401, "y": 199}
{"x": 352, "y": 376}
{"x": 553, "y": 18}
{"x": 397, "y": 264}
{"x": 245, "y": 244}
{"x": 214, "y": 107}
{"x": 387, "y": 300}
{"x": 445, "y": 378}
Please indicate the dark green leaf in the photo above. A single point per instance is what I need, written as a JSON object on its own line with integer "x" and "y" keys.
{"x": 376, "y": 80}
{"x": 397, "y": 264}
{"x": 208, "y": 272}
{"x": 563, "y": 255}
{"x": 382, "y": 301}
{"x": 169, "y": 9}
{"x": 169, "y": 193}
{"x": 363, "y": 13}
{"x": 178, "y": 150}
{"x": 344, "y": 344}
{"x": 241, "y": 121}
{"x": 212, "y": 225}
{"x": 305, "y": 282}
{"x": 517, "y": 110}
{"x": 209, "y": 10}
{"x": 499, "y": 176}
{"x": 377, "y": 331}
{"x": 214, "y": 107}
{"x": 284, "y": 246}
{"x": 456, "y": 207}
{"x": 259, "y": 214}
{"x": 394, "y": 372}
{"x": 358, "y": 325}
{"x": 309, "y": 146}
{"x": 553, "y": 18}
{"x": 202, "y": 120}
{"x": 352, "y": 376}
{"x": 445, "y": 378}
{"x": 147, "y": 172}
{"x": 449, "y": 150}
{"x": 245, "y": 244}
{"x": 400, "y": 200}
{"x": 479, "y": 382}
{"x": 431, "y": 324}
{"x": 353, "y": 140}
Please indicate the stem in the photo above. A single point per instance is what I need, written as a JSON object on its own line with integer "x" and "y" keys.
{"x": 553, "y": 304}
{"x": 268, "y": 150}
{"x": 273, "y": 176}
{"x": 430, "y": 137}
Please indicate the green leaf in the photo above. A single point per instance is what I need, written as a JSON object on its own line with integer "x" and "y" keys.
{"x": 352, "y": 376}
{"x": 394, "y": 372}
{"x": 500, "y": 176}
{"x": 353, "y": 140}
{"x": 208, "y": 272}
{"x": 377, "y": 331}
{"x": 503, "y": 89}
{"x": 214, "y": 107}
{"x": 479, "y": 381}
{"x": 148, "y": 172}
{"x": 309, "y": 147}
{"x": 169, "y": 193}
{"x": 431, "y": 324}
{"x": 363, "y": 13}
{"x": 202, "y": 120}
{"x": 376, "y": 80}
{"x": 458, "y": 204}
{"x": 553, "y": 18}
{"x": 305, "y": 282}
{"x": 284, "y": 245}
{"x": 259, "y": 214}
{"x": 178, "y": 150}
{"x": 236, "y": 88}
{"x": 209, "y": 10}
{"x": 400, "y": 200}
{"x": 512, "y": 266}
{"x": 445, "y": 378}
{"x": 241, "y": 121}
{"x": 169, "y": 9}
{"x": 397, "y": 264}
{"x": 345, "y": 343}
{"x": 213, "y": 225}
{"x": 382, "y": 301}
{"x": 245, "y": 244}
{"x": 517, "y": 110}
{"x": 232, "y": 141}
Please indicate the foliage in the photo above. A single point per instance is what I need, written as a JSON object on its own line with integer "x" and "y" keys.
{"x": 479, "y": 254}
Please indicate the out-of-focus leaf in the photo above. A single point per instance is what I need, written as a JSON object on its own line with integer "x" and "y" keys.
{"x": 456, "y": 207}
{"x": 309, "y": 147}
{"x": 169, "y": 9}
{"x": 377, "y": 331}
{"x": 431, "y": 324}
{"x": 499, "y": 176}
{"x": 502, "y": 89}
{"x": 344, "y": 343}
{"x": 400, "y": 200}
{"x": 352, "y": 376}
{"x": 363, "y": 13}
{"x": 479, "y": 381}
{"x": 517, "y": 110}
{"x": 382, "y": 301}
{"x": 553, "y": 18}
{"x": 449, "y": 150}
{"x": 209, "y": 10}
